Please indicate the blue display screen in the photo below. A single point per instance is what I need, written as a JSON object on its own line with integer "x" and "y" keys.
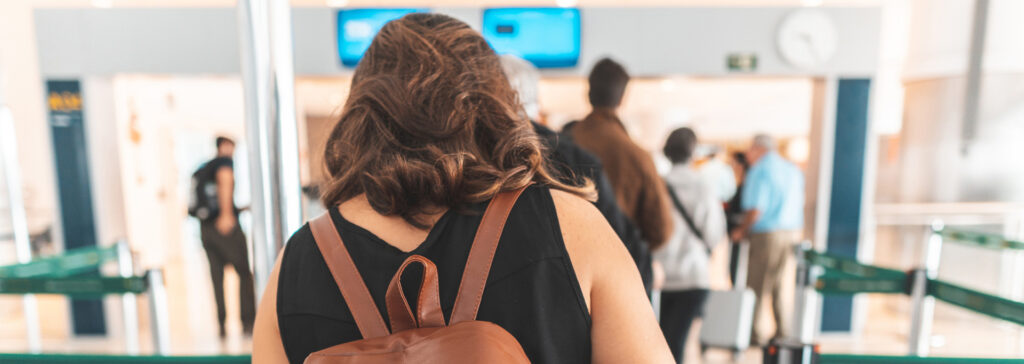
{"x": 357, "y": 27}
{"x": 547, "y": 37}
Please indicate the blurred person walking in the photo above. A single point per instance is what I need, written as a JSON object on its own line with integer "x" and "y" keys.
{"x": 430, "y": 137}
{"x": 225, "y": 244}
{"x": 574, "y": 165}
{"x": 773, "y": 205}
{"x": 640, "y": 191}
{"x": 685, "y": 257}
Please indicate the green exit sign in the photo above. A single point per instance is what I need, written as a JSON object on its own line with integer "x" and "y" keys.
{"x": 742, "y": 62}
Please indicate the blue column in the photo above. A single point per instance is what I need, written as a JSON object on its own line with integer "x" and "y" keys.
{"x": 848, "y": 167}
{"x": 67, "y": 125}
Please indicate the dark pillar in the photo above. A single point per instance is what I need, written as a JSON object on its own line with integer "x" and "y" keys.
{"x": 848, "y": 170}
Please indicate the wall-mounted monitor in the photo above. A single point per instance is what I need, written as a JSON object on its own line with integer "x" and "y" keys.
{"x": 547, "y": 37}
{"x": 357, "y": 27}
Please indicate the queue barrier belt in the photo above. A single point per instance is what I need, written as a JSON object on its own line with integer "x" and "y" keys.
{"x": 70, "y": 263}
{"x": 852, "y": 267}
{"x": 842, "y": 284}
{"x": 879, "y": 359}
{"x": 983, "y": 240}
{"x": 847, "y": 276}
{"x": 103, "y": 359}
{"x": 983, "y": 303}
{"x": 74, "y": 286}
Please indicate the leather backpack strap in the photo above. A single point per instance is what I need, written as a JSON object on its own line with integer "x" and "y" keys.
{"x": 347, "y": 277}
{"x": 428, "y": 306}
{"x": 481, "y": 254}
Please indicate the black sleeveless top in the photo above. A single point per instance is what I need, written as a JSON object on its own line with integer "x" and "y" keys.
{"x": 531, "y": 292}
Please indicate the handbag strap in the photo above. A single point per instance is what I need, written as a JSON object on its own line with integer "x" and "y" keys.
{"x": 686, "y": 215}
{"x": 481, "y": 254}
{"x": 347, "y": 277}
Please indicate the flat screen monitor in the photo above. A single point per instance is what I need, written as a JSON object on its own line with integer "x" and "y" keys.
{"x": 357, "y": 27}
{"x": 547, "y": 37}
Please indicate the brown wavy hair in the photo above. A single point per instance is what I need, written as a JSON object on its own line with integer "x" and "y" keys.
{"x": 431, "y": 122}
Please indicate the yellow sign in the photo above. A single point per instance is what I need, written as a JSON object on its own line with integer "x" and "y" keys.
{"x": 65, "y": 101}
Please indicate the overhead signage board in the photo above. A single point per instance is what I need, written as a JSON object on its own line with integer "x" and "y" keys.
{"x": 547, "y": 37}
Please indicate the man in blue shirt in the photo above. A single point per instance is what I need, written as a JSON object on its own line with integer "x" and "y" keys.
{"x": 773, "y": 205}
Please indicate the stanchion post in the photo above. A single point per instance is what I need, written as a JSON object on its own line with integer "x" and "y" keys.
{"x": 923, "y": 305}
{"x": 805, "y": 307}
{"x": 129, "y": 303}
{"x": 271, "y": 129}
{"x": 19, "y": 222}
{"x": 159, "y": 321}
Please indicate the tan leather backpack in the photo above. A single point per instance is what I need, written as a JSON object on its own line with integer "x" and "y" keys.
{"x": 423, "y": 338}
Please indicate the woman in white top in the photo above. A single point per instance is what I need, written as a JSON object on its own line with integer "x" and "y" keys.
{"x": 685, "y": 256}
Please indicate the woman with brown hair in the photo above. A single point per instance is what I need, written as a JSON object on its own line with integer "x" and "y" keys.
{"x": 431, "y": 132}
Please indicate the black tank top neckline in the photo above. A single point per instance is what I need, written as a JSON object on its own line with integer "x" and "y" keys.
{"x": 432, "y": 236}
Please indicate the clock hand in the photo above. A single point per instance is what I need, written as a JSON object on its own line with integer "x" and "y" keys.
{"x": 807, "y": 38}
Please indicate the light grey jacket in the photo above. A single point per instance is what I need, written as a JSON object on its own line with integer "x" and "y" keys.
{"x": 685, "y": 257}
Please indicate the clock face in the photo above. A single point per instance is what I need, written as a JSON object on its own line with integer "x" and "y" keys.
{"x": 807, "y": 38}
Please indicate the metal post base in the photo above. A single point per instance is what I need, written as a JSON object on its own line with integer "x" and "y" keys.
{"x": 158, "y": 317}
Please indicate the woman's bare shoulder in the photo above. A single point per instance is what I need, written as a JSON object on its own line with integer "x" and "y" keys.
{"x": 589, "y": 240}
{"x": 580, "y": 221}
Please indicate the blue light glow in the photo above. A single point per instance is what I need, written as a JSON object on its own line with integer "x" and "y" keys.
{"x": 547, "y": 37}
{"x": 357, "y": 27}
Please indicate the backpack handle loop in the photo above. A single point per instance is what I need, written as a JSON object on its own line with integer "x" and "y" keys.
{"x": 428, "y": 302}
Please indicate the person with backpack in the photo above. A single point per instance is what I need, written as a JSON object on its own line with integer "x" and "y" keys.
{"x": 433, "y": 167}
{"x": 686, "y": 255}
{"x": 213, "y": 203}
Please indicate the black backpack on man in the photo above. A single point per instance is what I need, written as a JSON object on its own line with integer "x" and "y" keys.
{"x": 202, "y": 203}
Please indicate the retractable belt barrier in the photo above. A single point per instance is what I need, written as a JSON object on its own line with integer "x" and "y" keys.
{"x": 983, "y": 303}
{"x": 843, "y": 284}
{"x": 74, "y": 286}
{"x": 823, "y": 273}
{"x": 843, "y": 265}
{"x": 63, "y": 274}
{"x": 104, "y": 359}
{"x": 75, "y": 274}
{"x": 68, "y": 264}
{"x": 983, "y": 240}
{"x": 848, "y": 276}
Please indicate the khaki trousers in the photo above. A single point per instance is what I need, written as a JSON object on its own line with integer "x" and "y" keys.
{"x": 771, "y": 274}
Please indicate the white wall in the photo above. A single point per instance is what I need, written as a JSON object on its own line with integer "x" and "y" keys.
{"x": 940, "y": 38}
{"x": 934, "y": 167}
{"x": 104, "y": 159}
{"x": 24, "y": 93}
{"x": 650, "y": 41}
{"x": 74, "y": 42}
{"x": 1004, "y": 51}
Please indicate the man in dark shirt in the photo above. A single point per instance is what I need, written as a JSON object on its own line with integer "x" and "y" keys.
{"x": 224, "y": 240}
{"x": 572, "y": 164}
